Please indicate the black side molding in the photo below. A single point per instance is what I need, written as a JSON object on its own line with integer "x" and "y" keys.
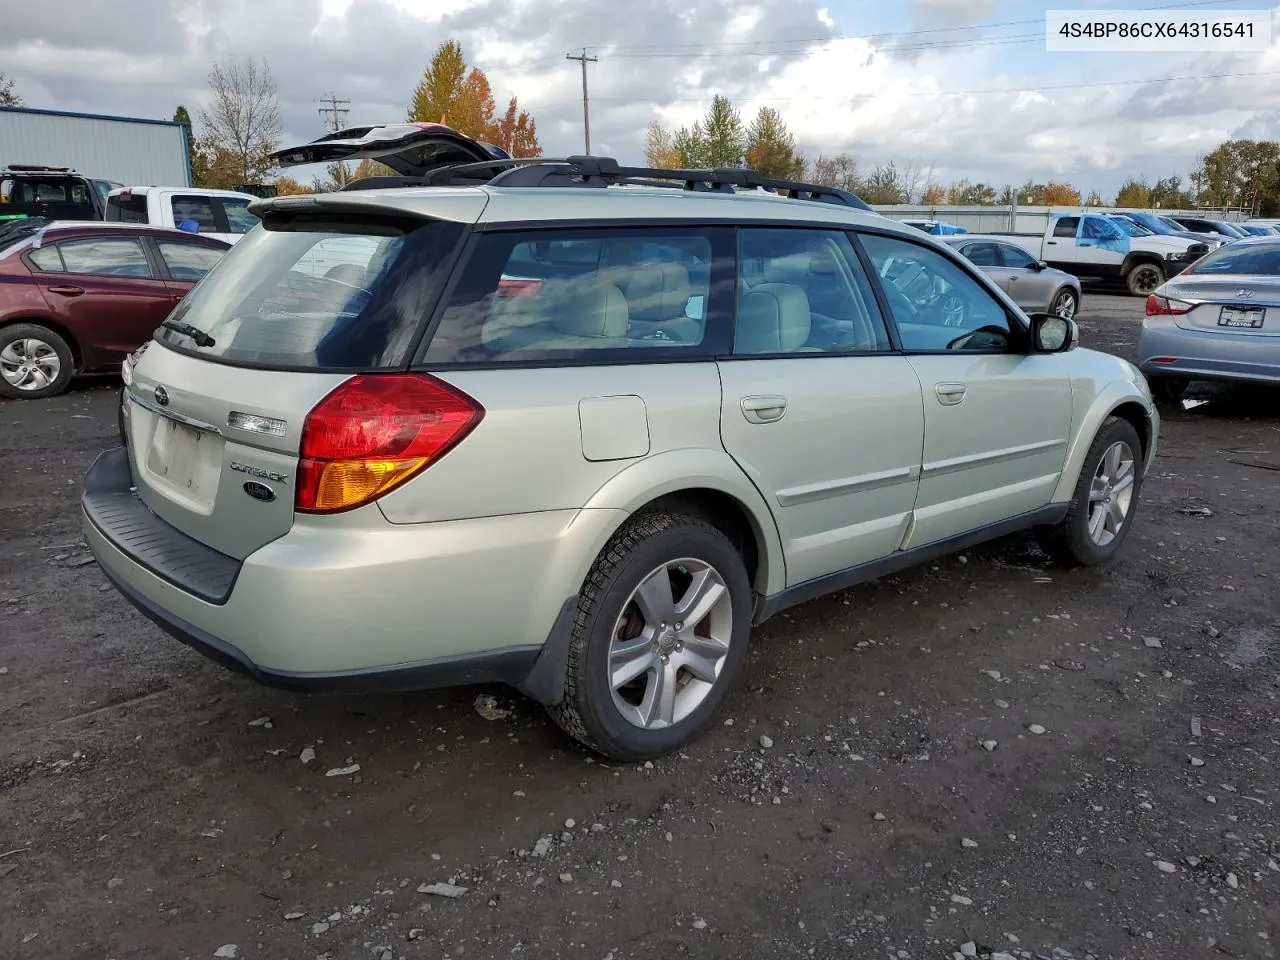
{"x": 127, "y": 523}
{"x": 767, "y": 607}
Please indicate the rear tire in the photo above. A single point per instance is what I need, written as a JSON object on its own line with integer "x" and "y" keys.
{"x": 35, "y": 362}
{"x": 663, "y": 702}
{"x": 1144, "y": 279}
{"x": 1168, "y": 389}
{"x": 1105, "y": 500}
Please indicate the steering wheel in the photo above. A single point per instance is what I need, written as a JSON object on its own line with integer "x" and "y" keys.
{"x": 989, "y": 338}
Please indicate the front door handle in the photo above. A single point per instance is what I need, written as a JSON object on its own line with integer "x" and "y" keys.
{"x": 66, "y": 290}
{"x": 949, "y": 394}
{"x": 764, "y": 409}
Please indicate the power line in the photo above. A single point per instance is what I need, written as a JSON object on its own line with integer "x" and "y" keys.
{"x": 660, "y": 98}
{"x": 335, "y": 111}
{"x": 586, "y": 112}
{"x": 614, "y": 49}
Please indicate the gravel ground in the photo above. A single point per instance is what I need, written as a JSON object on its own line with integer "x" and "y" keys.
{"x": 984, "y": 757}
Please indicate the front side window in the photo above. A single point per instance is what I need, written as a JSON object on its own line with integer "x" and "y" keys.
{"x": 314, "y": 292}
{"x": 107, "y": 257}
{"x": 936, "y": 305}
{"x": 803, "y": 291}
{"x": 188, "y": 262}
{"x": 198, "y": 210}
{"x": 1015, "y": 257}
{"x": 608, "y": 294}
{"x": 239, "y": 219}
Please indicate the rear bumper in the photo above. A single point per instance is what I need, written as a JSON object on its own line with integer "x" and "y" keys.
{"x": 1198, "y": 355}
{"x": 345, "y": 606}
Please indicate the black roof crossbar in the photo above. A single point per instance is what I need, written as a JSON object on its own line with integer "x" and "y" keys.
{"x": 579, "y": 171}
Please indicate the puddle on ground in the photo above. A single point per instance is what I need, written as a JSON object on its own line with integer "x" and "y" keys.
{"x": 1252, "y": 646}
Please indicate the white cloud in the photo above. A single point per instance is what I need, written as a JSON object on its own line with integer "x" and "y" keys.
{"x": 664, "y": 59}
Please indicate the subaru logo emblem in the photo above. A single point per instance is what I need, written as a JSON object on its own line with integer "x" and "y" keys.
{"x": 259, "y": 491}
{"x": 162, "y": 396}
{"x": 1244, "y": 294}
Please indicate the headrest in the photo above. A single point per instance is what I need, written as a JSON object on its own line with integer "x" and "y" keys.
{"x": 793, "y": 268}
{"x": 772, "y": 318}
{"x": 589, "y": 308}
{"x": 657, "y": 291}
{"x": 823, "y": 263}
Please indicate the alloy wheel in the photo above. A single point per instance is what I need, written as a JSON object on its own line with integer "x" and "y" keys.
{"x": 1064, "y": 305}
{"x": 670, "y": 643}
{"x": 1111, "y": 493}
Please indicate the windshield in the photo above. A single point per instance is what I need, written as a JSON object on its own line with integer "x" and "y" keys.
{"x": 317, "y": 294}
{"x": 1227, "y": 229}
{"x": 1153, "y": 224}
{"x": 1128, "y": 227}
{"x": 1261, "y": 259}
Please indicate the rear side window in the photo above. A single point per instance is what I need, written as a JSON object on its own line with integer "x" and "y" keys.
{"x": 1066, "y": 227}
{"x": 983, "y": 254}
{"x": 310, "y": 293}
{"x": 127, "y": 208}
{"x": 115, "y": 257}
{"x": 47, "y": 259}
{"x": 604, "y": 295}
{"x": 188, "y": 262}
{"x": 239, "y": 219}
{"x": 803, "y": 291}
{"x": 199, "y": 210}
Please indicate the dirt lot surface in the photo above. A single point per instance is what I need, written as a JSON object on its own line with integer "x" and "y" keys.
{"x": 989, "y": 755}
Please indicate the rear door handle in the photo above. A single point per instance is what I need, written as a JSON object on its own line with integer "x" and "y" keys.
{"x": 949, "y": 394}
{"x": 66, "y": 290}
{"x": 764, "y": 409}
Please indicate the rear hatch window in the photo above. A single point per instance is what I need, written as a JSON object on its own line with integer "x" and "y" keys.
{"x": 127, "y": 208}
{"x": 318, "y": 293}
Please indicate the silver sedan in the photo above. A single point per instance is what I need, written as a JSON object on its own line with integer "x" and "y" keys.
{"x": 1034, "y": 286}
{"x": 1217, "y": 320}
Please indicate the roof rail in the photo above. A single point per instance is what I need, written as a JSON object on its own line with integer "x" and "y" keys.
{"x": 581, "y": 171}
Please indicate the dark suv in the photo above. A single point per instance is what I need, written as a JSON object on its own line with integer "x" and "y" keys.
{"x": 56, "y": 193}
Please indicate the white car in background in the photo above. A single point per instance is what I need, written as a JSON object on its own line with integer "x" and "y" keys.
{"x": 221, "y": 214}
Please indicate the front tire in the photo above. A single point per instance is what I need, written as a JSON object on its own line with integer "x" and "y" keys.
{"x": 1065, "y": 303}
{"x": 1144, "y": 279}
{"x": 1105, "y": 500}
{"x": 659, "y": 637}
{"x": 35, "y": 362}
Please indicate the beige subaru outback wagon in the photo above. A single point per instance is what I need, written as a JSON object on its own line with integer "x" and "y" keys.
{"x": 577, "y": 427}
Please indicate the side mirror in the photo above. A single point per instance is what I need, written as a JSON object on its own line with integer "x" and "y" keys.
{"x": 1053, "y": 334}
{"x": 1038, "y": 266}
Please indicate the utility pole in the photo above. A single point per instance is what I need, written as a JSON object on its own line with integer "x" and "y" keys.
{"x": 586, "y": 112}
{"x": 335, "y": 112}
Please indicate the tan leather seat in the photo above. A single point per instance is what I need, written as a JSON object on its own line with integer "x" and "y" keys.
{"x": 582, "y": 314}
{"x": 657, "y": 294}
{"x": 772, "y": 318}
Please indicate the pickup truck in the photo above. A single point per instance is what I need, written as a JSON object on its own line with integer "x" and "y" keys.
{"x": 1092, "y": 245}
{"x": 221, "y": 214}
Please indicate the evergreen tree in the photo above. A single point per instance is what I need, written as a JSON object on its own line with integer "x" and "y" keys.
{"x": 771, "y": 148}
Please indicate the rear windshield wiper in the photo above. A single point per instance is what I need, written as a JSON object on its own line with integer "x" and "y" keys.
{"x": 201, "y": 338}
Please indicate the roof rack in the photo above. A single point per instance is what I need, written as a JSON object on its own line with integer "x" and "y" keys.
{"x": 36, "y": 168}
{"x": 579, "y": 171}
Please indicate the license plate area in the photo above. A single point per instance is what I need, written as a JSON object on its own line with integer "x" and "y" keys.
{"x": 1242, "y": 318}
{"x": 183, "y": 463}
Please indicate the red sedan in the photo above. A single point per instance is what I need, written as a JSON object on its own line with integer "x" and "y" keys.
{"x": 79, "y": 297}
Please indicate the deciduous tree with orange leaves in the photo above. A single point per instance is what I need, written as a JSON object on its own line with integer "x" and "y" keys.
{"x": 463, "y": 99}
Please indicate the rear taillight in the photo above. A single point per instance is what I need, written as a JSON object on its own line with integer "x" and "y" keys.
{"x": 373, "y": 433}
{"x": 1164, "y": 307}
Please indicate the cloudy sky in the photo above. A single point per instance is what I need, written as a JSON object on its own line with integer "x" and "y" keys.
{"x": 964, "y": 87}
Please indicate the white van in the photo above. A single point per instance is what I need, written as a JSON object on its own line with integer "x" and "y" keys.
{"x": 223, "y": 214}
